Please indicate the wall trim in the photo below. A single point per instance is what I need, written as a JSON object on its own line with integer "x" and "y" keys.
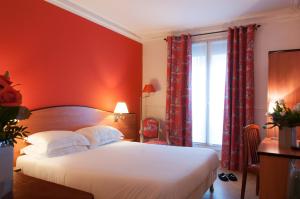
{"x": 281, "y": 15}
{"x": 91, "y": 16}
{"x": 286, "y": 14}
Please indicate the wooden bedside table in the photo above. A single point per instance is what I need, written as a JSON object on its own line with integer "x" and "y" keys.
{"x": 129, "y": 139}
{"x": 28, "y": 187}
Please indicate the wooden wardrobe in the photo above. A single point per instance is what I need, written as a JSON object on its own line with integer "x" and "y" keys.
{"x": 284, "y": 78}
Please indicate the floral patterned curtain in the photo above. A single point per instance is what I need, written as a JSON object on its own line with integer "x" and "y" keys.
{"x": 178, "y": 103}
{"x": 239, "y": 94}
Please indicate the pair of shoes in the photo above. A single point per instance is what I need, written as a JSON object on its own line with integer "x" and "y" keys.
{"x": 226, "y": 177}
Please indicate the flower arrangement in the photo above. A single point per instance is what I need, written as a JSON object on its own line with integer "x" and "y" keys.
{"x": 11, "y": 112}
{"x": 283, "y": 116}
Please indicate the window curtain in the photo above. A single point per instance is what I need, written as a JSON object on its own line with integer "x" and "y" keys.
{"x": 239, "y": 94}
{"x": 178, "y": 102}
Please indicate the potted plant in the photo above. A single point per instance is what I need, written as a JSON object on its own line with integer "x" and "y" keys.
{"x": 286, "y": 119}
{"x": 11, "y": 112}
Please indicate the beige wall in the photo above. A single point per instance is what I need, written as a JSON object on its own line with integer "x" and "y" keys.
{"x": 272, "y": 35}
{"x": 154, "y": 71}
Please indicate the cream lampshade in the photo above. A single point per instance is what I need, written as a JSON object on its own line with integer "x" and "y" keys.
{"x": 271, "y": 107}
{"x": 120, "y": 109}
{"x": 271, "y": 132}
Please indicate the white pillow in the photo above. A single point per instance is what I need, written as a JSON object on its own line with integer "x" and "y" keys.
{"x": 36, "y": 151}
{"x": 48, "y": 141}
{"x": 100, "y": 134}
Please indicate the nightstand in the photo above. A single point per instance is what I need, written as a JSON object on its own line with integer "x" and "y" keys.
{"x": 33, "y": 188}
{"x": 129, "y": 139}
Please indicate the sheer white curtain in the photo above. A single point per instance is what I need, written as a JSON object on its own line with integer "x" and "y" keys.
{"x": 208, "y": 90}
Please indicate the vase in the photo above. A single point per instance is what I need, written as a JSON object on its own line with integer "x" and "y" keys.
{"x": 285, "y": 137}
{"x": 6, "y": 170}
{"x": 295, "y": 144}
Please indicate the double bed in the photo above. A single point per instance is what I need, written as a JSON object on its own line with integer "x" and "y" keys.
{"x": 121, "y": 169}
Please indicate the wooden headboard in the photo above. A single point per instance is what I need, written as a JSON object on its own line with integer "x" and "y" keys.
{"x": 73, "y": 118}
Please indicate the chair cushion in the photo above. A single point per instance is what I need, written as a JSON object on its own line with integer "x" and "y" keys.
{"x": 150, "y": 128}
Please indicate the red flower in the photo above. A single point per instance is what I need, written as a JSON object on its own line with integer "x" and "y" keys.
{"x": 10, "y": 97}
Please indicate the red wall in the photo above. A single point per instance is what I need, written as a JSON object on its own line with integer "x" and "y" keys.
{"x": 62, "y": 59}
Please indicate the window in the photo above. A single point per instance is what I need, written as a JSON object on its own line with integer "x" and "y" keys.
{"x": 208, "y": 90}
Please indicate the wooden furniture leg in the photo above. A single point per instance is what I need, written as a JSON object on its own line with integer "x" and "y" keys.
{"x": 257, "y": 184}
{"x": 211, "y": 188}
{"x": 244, "y": 180}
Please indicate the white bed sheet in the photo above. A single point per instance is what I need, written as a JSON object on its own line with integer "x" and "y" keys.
{"x": 128, "y": 170}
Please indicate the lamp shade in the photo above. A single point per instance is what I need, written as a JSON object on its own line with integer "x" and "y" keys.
{"x": 148, "y": 88}
{"x": 271, "y": 107}
{"x": 121, "y": 107}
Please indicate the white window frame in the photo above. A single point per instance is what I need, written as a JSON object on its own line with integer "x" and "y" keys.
{"x": 207, "y": 39}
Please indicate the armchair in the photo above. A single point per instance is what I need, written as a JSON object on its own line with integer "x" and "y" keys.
{"x": 151, "y": 132}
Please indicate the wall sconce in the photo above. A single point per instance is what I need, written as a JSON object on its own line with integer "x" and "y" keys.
{"x": 148, "y": 88}
{"x": 120, "y": 109}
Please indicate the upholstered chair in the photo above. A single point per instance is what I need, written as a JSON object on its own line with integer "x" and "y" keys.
{"x": 151, "y": 132}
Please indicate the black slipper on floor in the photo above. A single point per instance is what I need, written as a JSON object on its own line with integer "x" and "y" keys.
{"x": 231, "y": 177}
{"x": 223, "y": 177}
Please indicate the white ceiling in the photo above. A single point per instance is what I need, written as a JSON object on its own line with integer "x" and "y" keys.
{"x": 145, "y": 17}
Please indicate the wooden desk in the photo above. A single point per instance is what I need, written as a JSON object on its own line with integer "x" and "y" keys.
{"x": 25, "y": 187}
{"x": 274, "y": 169}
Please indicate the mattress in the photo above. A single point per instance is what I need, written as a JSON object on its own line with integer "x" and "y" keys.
{"x": 129, "y": 170}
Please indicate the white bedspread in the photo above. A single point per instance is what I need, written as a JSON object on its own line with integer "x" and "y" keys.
{"x": 127, "y": 170}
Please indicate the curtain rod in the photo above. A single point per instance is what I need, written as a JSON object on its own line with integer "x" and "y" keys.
{"x": 209, "y": 33}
